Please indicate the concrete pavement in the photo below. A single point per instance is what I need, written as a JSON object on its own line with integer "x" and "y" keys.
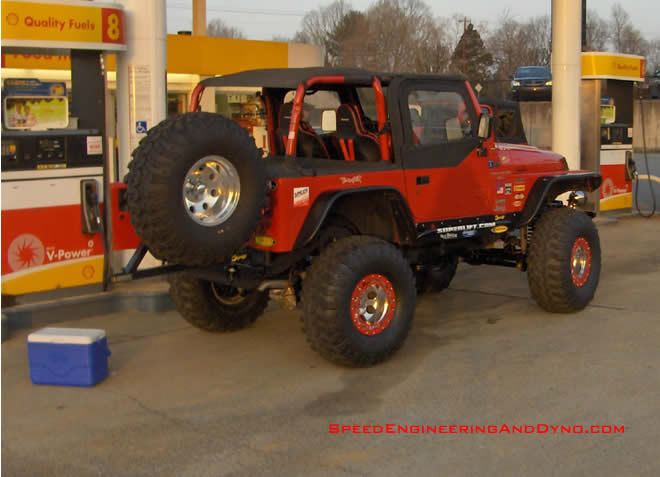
{"x": 259, "y": 402}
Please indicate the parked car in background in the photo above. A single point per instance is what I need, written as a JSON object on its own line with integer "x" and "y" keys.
{"x": 531, "y": 82}
{"x": 654, "y": 85}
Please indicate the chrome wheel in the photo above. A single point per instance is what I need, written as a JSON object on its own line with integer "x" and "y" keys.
{"x": 580, "y": 261}
{"x": 372, "y": 304}
{"x": 211, "y": 190}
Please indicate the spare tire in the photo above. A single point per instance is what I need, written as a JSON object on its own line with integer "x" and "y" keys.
{"x": 196, "y": 189}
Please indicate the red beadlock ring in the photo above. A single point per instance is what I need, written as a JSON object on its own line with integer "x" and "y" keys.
{"x": 372, "y": 304}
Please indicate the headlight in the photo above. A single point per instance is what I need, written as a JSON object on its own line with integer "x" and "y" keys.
{"x": 548, "y": 83}
{"x": 515, "y": 83}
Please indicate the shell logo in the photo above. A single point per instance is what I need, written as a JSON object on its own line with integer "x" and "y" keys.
{"x": 25, "y": 251}
{"x": 12, "y": 19}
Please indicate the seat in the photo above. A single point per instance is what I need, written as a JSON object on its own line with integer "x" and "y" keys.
{"x": 356, "y": 143}
{"x": 309, "y": 144}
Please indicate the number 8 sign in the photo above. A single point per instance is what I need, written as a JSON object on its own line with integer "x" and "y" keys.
{"x": 112, "y": 25}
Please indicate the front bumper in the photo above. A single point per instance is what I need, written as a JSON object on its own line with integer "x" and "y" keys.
{"x": 522, "y": 92}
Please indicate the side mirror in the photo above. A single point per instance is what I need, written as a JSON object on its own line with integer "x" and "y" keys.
{"x": 485, "y": 122}
{"x": 329, "y": 120}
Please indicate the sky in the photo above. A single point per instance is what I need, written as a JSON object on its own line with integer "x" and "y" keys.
{"x": 263, "y": 19}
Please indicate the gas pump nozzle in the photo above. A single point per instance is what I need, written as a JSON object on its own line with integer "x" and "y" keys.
{"x": 89, "y": 207}
{"x": 631, "y": 167}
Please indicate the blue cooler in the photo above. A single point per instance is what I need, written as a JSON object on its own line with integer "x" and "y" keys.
{"x": 68, "y": 356}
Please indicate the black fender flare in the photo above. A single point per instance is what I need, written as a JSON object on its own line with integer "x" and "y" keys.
{"x": 321, "y": 207}
{"x": 549, "y": 187}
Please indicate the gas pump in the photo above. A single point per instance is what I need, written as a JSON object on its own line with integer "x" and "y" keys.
{"x": 54, "y": 147}
{"x": 607, "y": 123}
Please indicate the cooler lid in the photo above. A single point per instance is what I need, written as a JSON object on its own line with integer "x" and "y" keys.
{"x": 66, "y": 335}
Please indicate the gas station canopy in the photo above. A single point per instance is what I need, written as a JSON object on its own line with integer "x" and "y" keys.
{"x": 615, "y": 66}
{"x": 63, "y": 25}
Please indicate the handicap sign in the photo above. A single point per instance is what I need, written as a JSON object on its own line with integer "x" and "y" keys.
{"x": 140, "y": 127}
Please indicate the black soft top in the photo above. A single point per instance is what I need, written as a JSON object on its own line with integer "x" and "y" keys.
{"x": 290, "y": 78}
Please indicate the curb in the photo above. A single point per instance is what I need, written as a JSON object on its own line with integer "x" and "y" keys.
{"x": 78, "y": 307}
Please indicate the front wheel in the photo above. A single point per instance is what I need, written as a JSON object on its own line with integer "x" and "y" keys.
{"x": 563, "y": 265}
{"x": 214, "y": 307}
{"x": 358, "y": 301}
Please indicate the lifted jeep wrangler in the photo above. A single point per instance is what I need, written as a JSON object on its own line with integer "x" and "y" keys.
{"x": 354, "y": 219}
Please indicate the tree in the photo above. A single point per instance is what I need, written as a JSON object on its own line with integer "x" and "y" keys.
{"x": 619, "y": 21}
{"x": 318, "y": 26}
{"x": 653, "y": 56}
{"x": 343, "y": 43}
{"x": 515, "y": 44}
{"x": 625, "y": 37}
{"x": 598, "y": 32}
{"x": 402, "y": 35}
{"x": 217, "y": 27}
{"x": 470, "y": 57}
{"x": 539, "y": 32}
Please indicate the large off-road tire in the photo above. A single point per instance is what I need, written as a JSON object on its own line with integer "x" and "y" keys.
{"x": 358, "y": 301}
{"x": 436, "y": 277}
{"x": 196, "y": 189}
{"x": 563, "y": 265}
{"x": 214, "y": 307}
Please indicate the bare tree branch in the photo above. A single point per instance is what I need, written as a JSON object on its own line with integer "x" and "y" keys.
{"x": 598, "y": 32}
{"x": 217, "y": 27}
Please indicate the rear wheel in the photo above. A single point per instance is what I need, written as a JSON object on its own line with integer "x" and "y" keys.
{"x": 214, "y": 307}
{"x": 436, "y": 277}
{"x": 196, "y": 189}
{"x": 563, "y": 265}
{"x": 358, "y": 301}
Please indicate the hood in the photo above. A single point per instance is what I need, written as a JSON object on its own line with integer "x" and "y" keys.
{"x": 523, "y": 158}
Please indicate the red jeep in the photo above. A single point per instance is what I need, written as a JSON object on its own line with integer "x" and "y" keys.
{"x": 354, "y": 218}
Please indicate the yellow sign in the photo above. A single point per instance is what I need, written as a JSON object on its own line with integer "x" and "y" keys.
{"x": 52, "y": 25}
{"x": 599, "y": 65}
{"x": 31, "y": 61}
{"x": 59, "y": 275}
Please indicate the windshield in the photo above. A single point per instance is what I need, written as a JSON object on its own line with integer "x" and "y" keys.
{"x": 533, "y": 72}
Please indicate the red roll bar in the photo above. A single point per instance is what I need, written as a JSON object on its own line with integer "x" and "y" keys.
{"x": 292, "y": 138}
{"x": 195, "y": 97}
{"x": 383, "y": 137}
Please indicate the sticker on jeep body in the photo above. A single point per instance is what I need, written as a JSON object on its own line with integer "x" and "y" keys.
{"x": 351, "y": 180}
{"x": 300, "y": 196}
{"x": 461, "y": 228}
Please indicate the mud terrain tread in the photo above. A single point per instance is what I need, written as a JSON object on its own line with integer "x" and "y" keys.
{"x": 548, "y": 271}
{"x": 327, "y": 278}
{"x": 164, "y": 148}
{"x": 195, "y": 301}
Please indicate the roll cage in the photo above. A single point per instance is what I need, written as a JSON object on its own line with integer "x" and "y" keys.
{"x": 384, "y": 136}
